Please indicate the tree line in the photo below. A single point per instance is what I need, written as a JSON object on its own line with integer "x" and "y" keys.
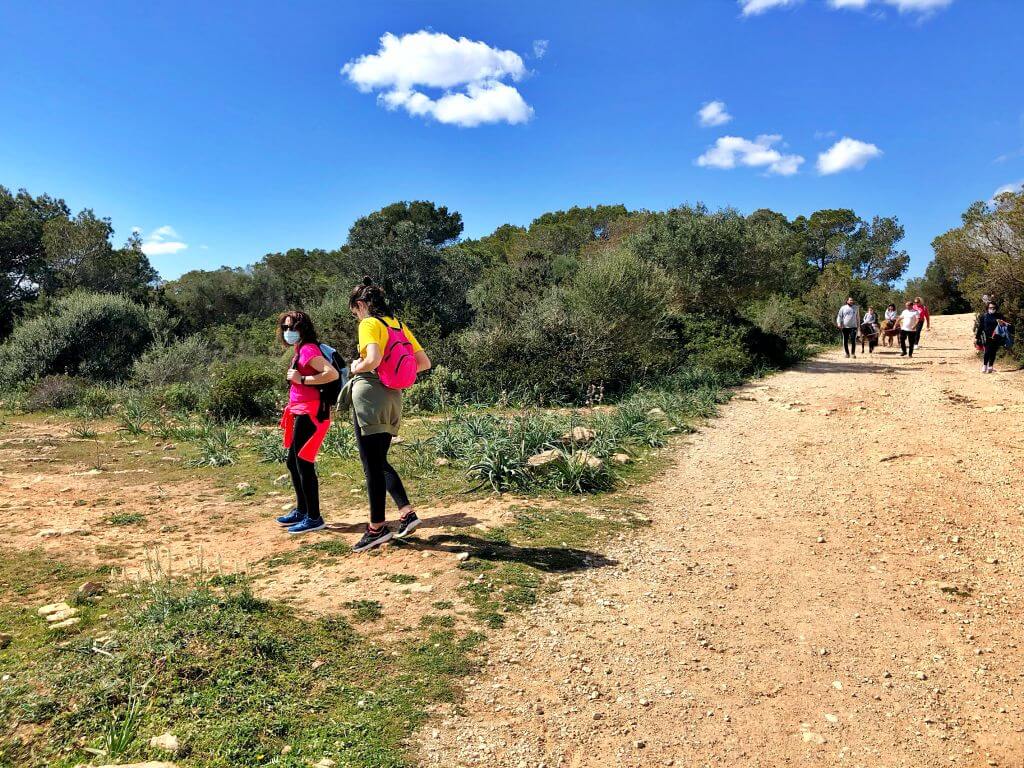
{"x": 598, "y": 296}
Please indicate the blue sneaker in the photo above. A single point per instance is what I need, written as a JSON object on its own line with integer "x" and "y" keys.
{"x": 307, "y": 525}
{"x": 293, "y": 517}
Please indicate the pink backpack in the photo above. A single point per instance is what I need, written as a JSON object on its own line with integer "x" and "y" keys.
{"x": 397, "y": 369}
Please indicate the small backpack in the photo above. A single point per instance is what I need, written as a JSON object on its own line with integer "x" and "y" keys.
{"x": 330, "y": 391}
{"x": 397, "y": 369}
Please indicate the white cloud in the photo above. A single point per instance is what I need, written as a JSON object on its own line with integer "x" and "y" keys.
{"x": 540, "y": 47}
{"x": 713, "y": 113}
{"x": 1017, "y": 186}
{"x": 754, "y": 7}
{"x": 469, "y": 73}
{"x": 923, "y": 7}
{"x": 730, "y": 151}
{"x": 163, "y": 241}
{"x": 846, "y": 154}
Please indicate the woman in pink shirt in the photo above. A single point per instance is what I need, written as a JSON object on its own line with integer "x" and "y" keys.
{"x": 303, "y": 422}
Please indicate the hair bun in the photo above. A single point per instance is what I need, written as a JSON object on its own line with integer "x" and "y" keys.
{"x": 367, "y": 281}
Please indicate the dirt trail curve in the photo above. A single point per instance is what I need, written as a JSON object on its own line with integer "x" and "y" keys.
{"x": 834, "y": 576}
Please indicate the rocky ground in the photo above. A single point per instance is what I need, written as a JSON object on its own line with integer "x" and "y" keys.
{"x": 833, "y": 577}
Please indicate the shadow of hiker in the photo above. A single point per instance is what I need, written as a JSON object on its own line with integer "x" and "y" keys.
{"x": 830, "y": 366}
{"x": 453, "y": 520}
{"x": 547, "y": 559}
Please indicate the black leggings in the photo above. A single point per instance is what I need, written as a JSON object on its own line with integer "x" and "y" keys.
{"x": 991, "y": 350}
{"x": 908, "y": 337}
{"x": 304, "y": 479}
{"x": 381, "y": 478}
{"x": 850, "y": 341}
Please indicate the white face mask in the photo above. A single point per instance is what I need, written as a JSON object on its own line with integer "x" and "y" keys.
{"x": 291, "y": 337}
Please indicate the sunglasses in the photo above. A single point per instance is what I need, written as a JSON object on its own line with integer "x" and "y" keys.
{"x": 287, "y": 327}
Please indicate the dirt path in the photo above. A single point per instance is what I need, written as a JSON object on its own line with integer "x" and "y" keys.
{"x": 833, "y": 577}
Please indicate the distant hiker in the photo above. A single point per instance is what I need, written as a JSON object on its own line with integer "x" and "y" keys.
{"x": 848, "y": 321}
{"x": 389, "y": 359}
{"x": 869, "y": 329}
{"x": 925, "y": 319}
{"x": 992, "y": 334}
{"x": 305, "y": 422}
{"x": 889, "y": 326}
{"x": 909, "y": 320}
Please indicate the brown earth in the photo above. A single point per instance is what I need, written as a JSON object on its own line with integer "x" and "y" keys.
{"x": 186, "y": 522}
{"x": 833, "y": 577}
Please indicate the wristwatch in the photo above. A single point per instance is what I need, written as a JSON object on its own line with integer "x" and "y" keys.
{"x": 302, "y": 380}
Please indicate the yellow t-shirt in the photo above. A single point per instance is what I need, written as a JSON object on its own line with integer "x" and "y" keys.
{"x": 372, "y": 331}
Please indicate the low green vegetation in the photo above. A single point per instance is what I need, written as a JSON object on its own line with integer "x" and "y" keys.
{"x": 239, "y": 681}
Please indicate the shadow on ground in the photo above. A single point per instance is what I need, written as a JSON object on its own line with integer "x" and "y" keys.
{"x": 547, "y": 559}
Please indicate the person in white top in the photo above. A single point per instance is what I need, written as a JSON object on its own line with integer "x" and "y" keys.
{"x": 909, "y": 318}
{"x": 848, "y": 321}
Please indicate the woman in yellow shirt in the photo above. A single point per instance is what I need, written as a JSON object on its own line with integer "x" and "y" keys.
{"x": 377, "y": 411}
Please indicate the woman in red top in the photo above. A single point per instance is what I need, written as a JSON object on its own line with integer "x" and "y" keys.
{"x": 303, "y": 431}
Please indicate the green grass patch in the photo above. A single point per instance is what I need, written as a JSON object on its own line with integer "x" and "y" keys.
{"x": 235, "y": 677}
{"x": 126, "y": 518}
{"x": 365, "y": 610}
{"x": 400, "y": 578}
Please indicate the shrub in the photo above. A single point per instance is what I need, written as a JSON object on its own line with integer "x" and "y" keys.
{"x": 437, "y": 391}
{"x": 96, "y": 402}
{"x": 95, "y": 336}
{"x": 216, "y": 444}
{"x": 180, "y": 397}
{"x": 269, "y": 446}
{"x": 182, "y": 361}
{"x": 247, "y": 389}
{"x": 53, "y": 392}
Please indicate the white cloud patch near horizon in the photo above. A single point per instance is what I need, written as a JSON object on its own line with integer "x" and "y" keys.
{"x": 755, "y": 7}
{"x": 1016, "y": 186}
{"x": 845, "y": 155}
{"x": 731, "y": 151}
{"x": 713, "y": 113}
{"x": 163, "y": 241}
{"x": 922, "y": 7}
{"x": 469, "y": 73}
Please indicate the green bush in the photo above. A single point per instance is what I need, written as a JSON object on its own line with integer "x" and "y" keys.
{"x": 53, "y": 392}
{"x": 247, "y": 389}
{"x": 179, "y": 397}
{"x": 182, "y": 361}
{"x": 91, "y": 335}
{"x": 435, "y": 391}
{"x": 96, "y": 402}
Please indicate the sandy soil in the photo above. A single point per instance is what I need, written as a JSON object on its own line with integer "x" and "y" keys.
{"x": 833, "y": 577}
{"x": 187, "y": 523}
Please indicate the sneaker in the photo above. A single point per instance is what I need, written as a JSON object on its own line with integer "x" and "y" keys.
{"x": 407, "y": 525}
{"x": 293, "y": 517}
{"x": 984, "y": 369}
{"x": 991, "y": 369}
{"x": 307, "y": 525}
{"x": 372, "y": 539}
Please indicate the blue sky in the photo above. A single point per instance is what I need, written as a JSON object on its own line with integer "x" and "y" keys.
{"x": 231, "y": 129}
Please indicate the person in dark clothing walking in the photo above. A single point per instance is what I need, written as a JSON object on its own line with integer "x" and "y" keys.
{"x": 988, "y": 338}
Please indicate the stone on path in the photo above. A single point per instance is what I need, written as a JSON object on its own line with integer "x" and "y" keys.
{"x": 168, "y": 742}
